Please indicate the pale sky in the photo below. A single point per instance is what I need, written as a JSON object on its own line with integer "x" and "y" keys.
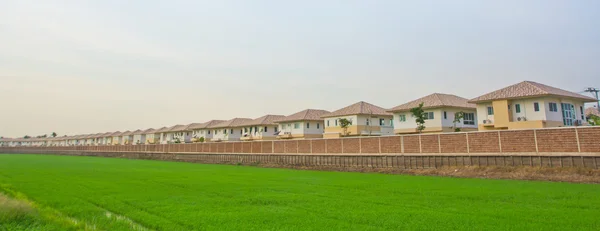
{"x": 80, "y": 67}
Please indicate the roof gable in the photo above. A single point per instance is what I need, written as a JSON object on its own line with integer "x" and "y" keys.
{"x": 305, "y": 115}
{"x": 528, "y": 89}
{"x": 360, "y": 108}
{"x": 435, "y": 100}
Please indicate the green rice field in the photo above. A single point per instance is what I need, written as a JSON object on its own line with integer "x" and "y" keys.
{"x": 92, "y": 193}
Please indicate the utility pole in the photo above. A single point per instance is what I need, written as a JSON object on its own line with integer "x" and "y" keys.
{"x": 594, "y": 91}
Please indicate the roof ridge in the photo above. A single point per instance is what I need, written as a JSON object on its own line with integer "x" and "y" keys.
{"x": 536, "y": 86}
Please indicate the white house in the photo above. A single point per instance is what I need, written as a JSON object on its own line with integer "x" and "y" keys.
{"x": 230, "y": 130}
{"x": 366, "y": 120}
{"x": 262, "y": 128}
{"x": 139, "y": 136}
{"x": 200, "y": 130}
{"x": 305, "y": 124}
{"x": 178, "y": 134}
{"x": 161, "y": 135}
{"x": 440, "y": 110}
{"x": 530, "y": 105}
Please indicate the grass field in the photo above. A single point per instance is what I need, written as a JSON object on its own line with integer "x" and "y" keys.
{"x": 121, "y": 194}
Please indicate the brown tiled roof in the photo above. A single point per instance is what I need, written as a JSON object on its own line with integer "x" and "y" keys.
{"x": 529, "y": 89}
{"x": 592, "y": 111}
{"x": 126, "y": 133}
{"x": 163, "y": 129}
{"x": 137, "y": 132}
{"x": 108, "y": 134}
{"x": 360, "y": 108}
{"x": 149, "y": 131}
{"x": 178, "y": 128}
{"x": 235, "y": 122}
{"x": 435, "y": 100}
{"x": 264, "y": 120}
{"x": 306, "y": 115}
{"x": 115, "y": 134}
{"x": 196, "y": 126}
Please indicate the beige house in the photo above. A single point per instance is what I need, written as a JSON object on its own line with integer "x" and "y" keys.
{"x": 126, "y": 138}
{"x": 530, "y": 105}
{"x": 179, "y": 134}
{"x": 230, "y": 130}
{"x": 305, "y": 124}
{"x": 440, "y": 110}
{"x": 262, "y": 128}
{"x": 202, "y": 130}
{"x": 115, "y": 138}
{"x": 366, "y": 120}
{"x": 161, "y": 135}
{"x": 139, "y": 136}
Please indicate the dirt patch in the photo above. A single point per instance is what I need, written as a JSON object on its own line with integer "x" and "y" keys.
{"x": 575, "y": 175}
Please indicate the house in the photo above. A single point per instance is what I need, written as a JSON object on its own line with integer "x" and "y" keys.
{"x": 440, "y": 110}
{"x": 202, "y": 130}
{"x": 139, "y": 136}
{"x": 115, "y": 138}
{"x": 365, "y": 120}
{"x": 161, "y": 135}
{"x": 90, "y": 139}
{"x": 105, "y": 138}
{"x": 127, "y": 137}
{"x": 306, "y": 124}
{"x": 529, "y": 105}
{"x": 230, "y": 130}
{"x": 178, "y": 134}
{"x": 262, "y": 128}
{"x": 151, "y": 137}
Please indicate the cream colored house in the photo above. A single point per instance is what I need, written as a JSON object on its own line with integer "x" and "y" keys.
{"x": 262, "y": 128}
{"x": 530, "y": 105}
{"x": 127, "y": 137}
{"x": 179, "y": 134}
{"x": 366, "y": 120}
{"x": 161, "y": 135}
{"x": 200, "y": 130}
{"x": 139, "y": 136}
{"x": 440, "y": 110}
{"x": 305, "y": 124}
{"x": 230, "y": 130}
{"x": 115, "y": 138}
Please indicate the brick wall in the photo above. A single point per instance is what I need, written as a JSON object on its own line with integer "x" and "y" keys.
{"x": 561, "y": 140}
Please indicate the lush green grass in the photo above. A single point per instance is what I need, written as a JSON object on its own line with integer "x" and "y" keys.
{"x": 183, "y": 196}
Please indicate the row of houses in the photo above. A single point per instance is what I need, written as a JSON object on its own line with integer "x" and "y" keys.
{"x": 523, "y": 105}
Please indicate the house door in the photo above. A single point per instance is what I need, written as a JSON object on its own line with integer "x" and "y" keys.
{"x": 568, "y": 112}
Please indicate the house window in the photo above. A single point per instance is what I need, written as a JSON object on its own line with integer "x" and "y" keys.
{"x": 255, "y": 129}
{"x": 428, "y": 115}
{"x": 582, "y": 114}
{"x": 392, "y": 122}
{"x": 568, "y": 111}
{"x": 327, "y": 123}
{"x": 208, "y": 132}
{"x": 224, "y": 131}
{"x": 318, "y": 125}
{"x": 368, "y": 121}
{"x": 402, "y": 118}
{"x": 445, "y": 115}
{"x": 336, "y": 123}
{"x": 536, "y": 106}
{"x": 469, "y": 118}
{"x": 276, "y": 128}
{"x": 518, "y": 108}
{"x": 307, "y": 125}
{"x": 553, "y": 107}
{"x": 296, "y": 125}
{"x": 490, "y": 110}
{"x": 241, "y": 131}
{"x": 381, "y": 122}
{"x": 231, "y": 131}
{"x": 265, "y": 128}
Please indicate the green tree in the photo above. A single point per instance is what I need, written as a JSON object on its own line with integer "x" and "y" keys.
{"x": 419, "y": 114}
{"x": 457, "y": 117}
{"x": 594, "y": 120}
{"x": 344, "y": 123}
{"x": 26, "y": 137}
{"x": 54, "y": 134}
{"x": 201, "y": 140}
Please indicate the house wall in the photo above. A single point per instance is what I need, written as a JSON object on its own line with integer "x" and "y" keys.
{"x": 437, "y": 124}
{"x": 289, "y": 127}
{"x": 359, "y": 126}
{"x": 261, "y": 131}
{"x": 506, "y": 116}
{"x": 220, "y": 133}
